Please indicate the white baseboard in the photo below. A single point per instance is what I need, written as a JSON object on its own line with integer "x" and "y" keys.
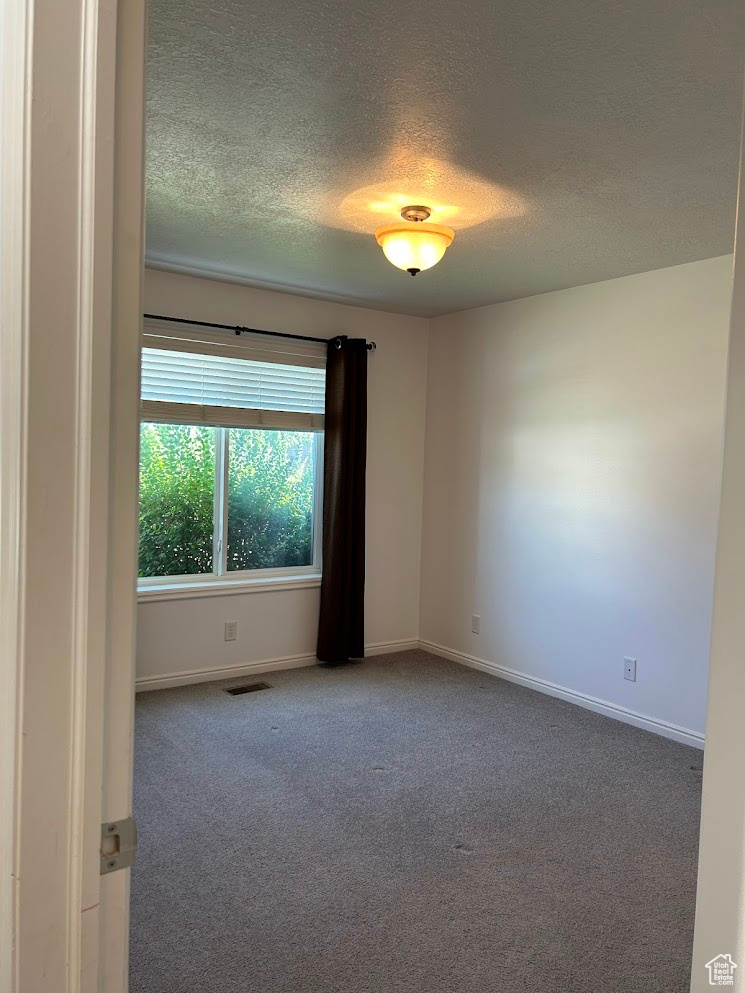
{"x": 683, "y": 735}
{"x": 388, "y": 647}
{"x": 667, "y": 730}
{"x": 162, "y": 682}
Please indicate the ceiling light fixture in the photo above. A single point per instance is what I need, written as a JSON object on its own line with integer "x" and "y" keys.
{"x": 413, "y": 245}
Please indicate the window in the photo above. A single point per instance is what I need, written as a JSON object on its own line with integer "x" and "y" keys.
{"x": 177, "y": 500}
{"x": 270, "y": 499}
{"x": 230, "y": 463}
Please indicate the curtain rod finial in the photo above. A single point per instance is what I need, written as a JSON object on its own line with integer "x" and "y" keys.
{"x": 371, "y": 346}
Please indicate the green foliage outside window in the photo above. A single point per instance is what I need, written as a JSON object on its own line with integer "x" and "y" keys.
{"x": 177, "y": 479}
{"x": 269, "y": 500}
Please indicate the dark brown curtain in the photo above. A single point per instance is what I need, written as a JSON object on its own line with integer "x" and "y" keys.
{"x": 341, "y": 628}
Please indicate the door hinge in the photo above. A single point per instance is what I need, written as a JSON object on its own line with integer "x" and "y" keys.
{"x": 118, "y": 844}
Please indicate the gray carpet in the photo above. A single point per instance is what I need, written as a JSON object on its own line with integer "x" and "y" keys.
{"x": 406, "y": 825}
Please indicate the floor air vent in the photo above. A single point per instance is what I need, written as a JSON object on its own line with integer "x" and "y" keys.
{"x": 248, "y": 688}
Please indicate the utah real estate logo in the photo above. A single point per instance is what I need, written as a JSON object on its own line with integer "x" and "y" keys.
{"x": 721, "y": 971}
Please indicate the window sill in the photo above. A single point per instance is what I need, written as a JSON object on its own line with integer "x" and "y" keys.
{"x": 192, "y": 591}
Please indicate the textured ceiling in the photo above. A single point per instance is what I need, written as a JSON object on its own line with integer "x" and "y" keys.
{"x": 565, "y": 142}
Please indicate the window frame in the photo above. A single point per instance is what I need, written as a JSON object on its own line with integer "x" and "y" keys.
{"x": 220, "y": 580}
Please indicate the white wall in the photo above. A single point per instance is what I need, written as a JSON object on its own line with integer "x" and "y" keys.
{"x": 187, "y": 635}
{"x": 572, "y": 481}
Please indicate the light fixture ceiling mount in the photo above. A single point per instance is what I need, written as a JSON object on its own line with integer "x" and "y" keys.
{"x": 416, "y": 213}
{"x": 412, "y": 245}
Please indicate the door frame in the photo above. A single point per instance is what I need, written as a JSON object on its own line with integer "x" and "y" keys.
{"x": 13, "y": 63}
{"x": 71, "y": 163}
{"x": 720, "y": 897}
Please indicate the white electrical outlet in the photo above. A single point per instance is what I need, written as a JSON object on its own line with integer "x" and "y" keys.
{"x": 629, "y": 670}
{"x": 231, "y": 630}
{"x": 476, "y": 623}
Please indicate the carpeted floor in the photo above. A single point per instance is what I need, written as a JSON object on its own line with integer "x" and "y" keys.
{"x": 407, "y": 825}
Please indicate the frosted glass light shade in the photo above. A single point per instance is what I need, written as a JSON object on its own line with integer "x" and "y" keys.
{"x": 414, "y": 246}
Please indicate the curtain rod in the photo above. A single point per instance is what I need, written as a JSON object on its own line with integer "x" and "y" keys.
{"x": 240, "y": 330}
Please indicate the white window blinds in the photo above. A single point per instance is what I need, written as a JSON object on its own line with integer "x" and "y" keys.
{"x": 192, "y": 388}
